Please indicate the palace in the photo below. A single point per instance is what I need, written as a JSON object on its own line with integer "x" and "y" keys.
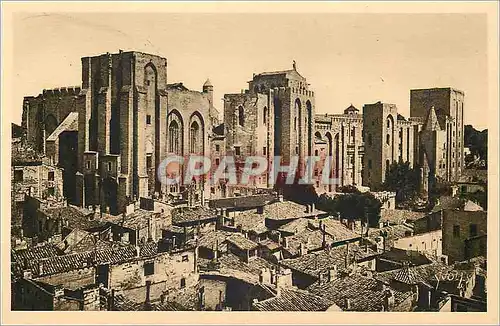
{"x": 111, "y": 133}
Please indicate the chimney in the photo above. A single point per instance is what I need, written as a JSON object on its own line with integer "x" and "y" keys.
{"x": 323, "y": 231}
{"x": 332, "y": 273}
{"x": 347, "y": 304}
{"x": 303, "y": 249}
{"x": 313, "y": 208}
{"x": 147, "y": 301}
{"x": 111, "y": 300}
{"x": 285, "y": 242}
{"x": 388, "y": 300}
{"x": 320, "y": 277}
{"x": 216, "y": 250}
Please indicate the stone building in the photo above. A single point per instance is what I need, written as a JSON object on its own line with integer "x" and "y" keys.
{"x": 448, "y": 104}
{"x": 122, "y": 122}
{"x": 464, "y": 234}
{"x": 274, "y": 117}
{"x": 343, "y": 136}
{"x": 389, "y": 138}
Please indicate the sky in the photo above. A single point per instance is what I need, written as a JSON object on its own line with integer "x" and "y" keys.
{"x": 346, "y": 58}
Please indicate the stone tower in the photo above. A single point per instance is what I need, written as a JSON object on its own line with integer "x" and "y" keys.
{"x": 120, "y": 135}
{"x": 381, "y": 141}
{"x": 448, "y": 104}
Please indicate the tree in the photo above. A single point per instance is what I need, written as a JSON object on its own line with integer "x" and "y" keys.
{"x": 403, "y": 180}
{"x": 353, "y": 206}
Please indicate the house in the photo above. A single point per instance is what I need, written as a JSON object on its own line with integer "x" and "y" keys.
{"x": 464, "y": 234}
{"x": 295, "y": 300}
{"x": 281, "y": 212}
{"x": 36, "y": 295}
{"x": 396, "y": 258}
{"x": 326, "y": 264}
{"x": 242, "y": 247}
{"x": 429, "y": 243}
{"x": 362, "y": 293}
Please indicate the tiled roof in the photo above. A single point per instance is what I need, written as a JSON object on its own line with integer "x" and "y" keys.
{"x": 74, "y": 261}
{"x": 121, "y": 303}
{"x": 232, "y": 266}
{"x": 336, "y": 229}
{"x": 293, "y": 300}
{"x": 26, "y": 258}
{"x": 322, "y": 261}
{"x": 210, "y": 238}
{"x": 393, "y": 232}
{"x": 270, "y": 244}
{"x": 415, "y": 274}
{"x": 189, "y": 215}
{"x": 250, "y": 221}
{"x": 399, "y": 216}
{"x": 311, "y": 238}
{"x": 414, "y": 258}
{"x": 241, "y": 242}
{"x": 75, "y": 217}
{"x": 364, "y": 293}
{"x": 242, "y": 201}
{"x": 295, "y": 226}
{"x": 288, "y": 210}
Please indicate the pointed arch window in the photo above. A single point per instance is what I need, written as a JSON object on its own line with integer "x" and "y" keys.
{"x": 174, "y": 136}
{"x": 241, "y": 116}
{"x": 194, "y": 137}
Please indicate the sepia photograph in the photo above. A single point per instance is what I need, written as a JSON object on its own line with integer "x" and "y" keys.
{"x": 207, "y": 158}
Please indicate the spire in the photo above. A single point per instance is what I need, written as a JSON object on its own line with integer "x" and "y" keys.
{"x": 294, "y": 64}
{"x": 208, "y": 83}
{"x": 432, "y": 122}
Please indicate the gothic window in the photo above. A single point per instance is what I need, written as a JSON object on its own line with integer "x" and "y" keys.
{"x": 241, "y": 116}
{"x": 295, "y": 124}
{"x": 194, "y": 137}
{"x": 174, "y": 136}
{"x": 388, "y": 139}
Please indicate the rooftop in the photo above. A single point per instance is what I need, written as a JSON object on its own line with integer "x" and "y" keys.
{"x": 363, "y": 293}
{"x": 287, "y": 210}
{"x": 241, "y": 242}
{"x": 185, "y": 215}
{"x": 293, "y": 300}
{"x": 232, "y": 266}
{"x": 399, "y": 216}
{"x": 75, "y": 217}
{"x": 242, "y": 201}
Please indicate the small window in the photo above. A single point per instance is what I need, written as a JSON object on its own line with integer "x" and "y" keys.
{"x": 388, "y": 139}
{"x": 88, "y": 165}
{"x": 185, "y": 258}
{"x": 18, "y": 175}
{"x": 264, "y": 150}
{"x": 296, "y": 149}
{"x": 149, "y": 162}
{"x": 316, "y": 153}
{"x": 217, "y": 162}
{"x": 473, "y": 230}
{"x": 51, "y": 176}
{"x": 183, "y": 283}
{"x": 109, "y": 166}
{"x": 148, "y": 119}
{"x": 237, "y": 150}
{"x": 217, "y": 148}
{"x": 456, "y": 231}
{"x": 149, "y": 268}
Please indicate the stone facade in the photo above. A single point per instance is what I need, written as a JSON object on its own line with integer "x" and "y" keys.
{"x": 448, "y": 104}
{"x": 464, "y": 234}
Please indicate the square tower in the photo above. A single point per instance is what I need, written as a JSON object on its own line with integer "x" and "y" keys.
{"x": 381, "y": 141}
{"x": 448, "y": 104}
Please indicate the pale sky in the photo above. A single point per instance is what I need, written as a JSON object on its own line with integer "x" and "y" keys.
{"x": 347, "y": 58}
